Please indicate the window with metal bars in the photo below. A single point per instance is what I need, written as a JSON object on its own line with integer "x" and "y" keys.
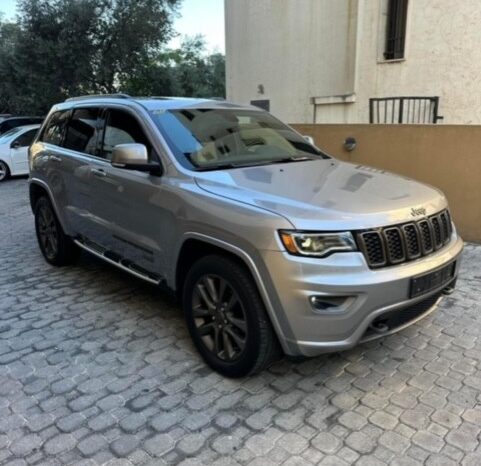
{"x": 396, "y": 29}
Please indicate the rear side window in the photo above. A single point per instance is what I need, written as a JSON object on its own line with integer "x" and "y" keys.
{"x": 9, "y": 124}
{"x": 122, "y": 128}
{"x": 26, "y": 139}
{"x": 82, "y": 131}
{"x": 55, "y": 129}
{"x": 8, "y": 134}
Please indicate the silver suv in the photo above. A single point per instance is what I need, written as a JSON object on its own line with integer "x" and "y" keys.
{"x": 270, "y": 244}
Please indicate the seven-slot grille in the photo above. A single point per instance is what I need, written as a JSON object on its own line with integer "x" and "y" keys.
{"x": 402, "y": 243}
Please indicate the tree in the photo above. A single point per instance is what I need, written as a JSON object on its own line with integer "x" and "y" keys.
{"x": 185, "y": 72}
{"x": 51, "y": 57}
{"x": 197, "y": 74}
{"x": 63, "y": 48}
{"x": 129, "y": 34}
{"x": 69, "y": 47}
{"x": 216, "y": 66}
{"x": 154, "y": 77}
{"x": 8, "y": 37}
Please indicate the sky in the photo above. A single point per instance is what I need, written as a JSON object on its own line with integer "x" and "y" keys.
{"x": 204, "y": 17}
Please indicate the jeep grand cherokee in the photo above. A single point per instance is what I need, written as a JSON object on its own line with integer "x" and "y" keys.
{"x": 270, "y": 243}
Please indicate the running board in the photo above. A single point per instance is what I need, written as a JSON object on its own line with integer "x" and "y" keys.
{"x": 117, "y": 261}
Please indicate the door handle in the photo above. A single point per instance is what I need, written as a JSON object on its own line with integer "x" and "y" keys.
{"x": 98, "y": 172}
{"x": 54, "y": 158}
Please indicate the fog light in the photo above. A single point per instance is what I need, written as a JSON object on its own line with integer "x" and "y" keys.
{"x": 329, "y": 303}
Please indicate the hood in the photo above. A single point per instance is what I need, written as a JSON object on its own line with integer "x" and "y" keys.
{"x": 327, "y": 194}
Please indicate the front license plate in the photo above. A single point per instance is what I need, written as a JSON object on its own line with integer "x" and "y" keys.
{"x": 432, "y": 280}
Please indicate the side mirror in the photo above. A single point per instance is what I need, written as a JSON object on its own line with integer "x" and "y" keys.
{"x": 134, "y": 157}
{"x": 15, "y": 145}
{"x": 310, "y": 140}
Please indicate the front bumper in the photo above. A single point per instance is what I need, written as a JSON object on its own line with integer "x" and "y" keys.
{"x": 362, "y": 296}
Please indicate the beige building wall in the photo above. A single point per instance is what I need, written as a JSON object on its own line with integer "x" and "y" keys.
{"x": 321, "y": 60}
{"x": 442, "y": 58}
{"x": 289, "y": 51}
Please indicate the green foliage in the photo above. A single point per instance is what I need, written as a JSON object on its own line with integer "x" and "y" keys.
{"x": 62, "y": 48}
{"x": 185, "y": 72}
{"x": 8, "y": 37}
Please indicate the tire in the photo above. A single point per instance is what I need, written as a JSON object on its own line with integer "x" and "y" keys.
{"x": 233, "y": 334}
{"x": 57, "y": 248}
{"x": 4, "y": 171}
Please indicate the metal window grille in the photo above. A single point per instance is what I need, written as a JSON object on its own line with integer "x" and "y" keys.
{"x": 404, "y": 110}
{"x": 396, "y": 29}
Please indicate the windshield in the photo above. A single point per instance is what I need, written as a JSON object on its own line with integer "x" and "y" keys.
{"x": 6, "y": 136}
{"x": 224, "y": 138}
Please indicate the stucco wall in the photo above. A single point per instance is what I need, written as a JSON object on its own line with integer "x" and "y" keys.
{"x": 300, "y": 50}
{"x": 293, "y": 49}
{"x": 443, "y": 58}
{"x": 444, "y": 156}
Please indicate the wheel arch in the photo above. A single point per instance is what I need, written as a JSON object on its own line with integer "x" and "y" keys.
{"x": 195, "y": 246}
{"x": 39, "y": 188}
{"x": 36, "y": 191}
{"x": 9, "y": 170}
{"x": 191, "y": 251}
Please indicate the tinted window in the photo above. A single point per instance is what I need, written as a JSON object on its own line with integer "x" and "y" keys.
{"x": 26, "y": 139}
{"x": 55, "y": 129}
{"x": 122, "y": 128}
{"x": 5, "y": 136}
{"x": 82, "y": 131}
{"x": 10, "y": 123}
{"x": 6, "y": 125}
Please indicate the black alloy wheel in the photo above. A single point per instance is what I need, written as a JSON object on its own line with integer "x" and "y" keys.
{"x": 226, "y": 317}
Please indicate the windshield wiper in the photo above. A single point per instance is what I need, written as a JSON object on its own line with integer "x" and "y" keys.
{"x": 283, "y": 160}
{"x": 221, "y": 166}
{"x": 299, "y": 158}
{"x": 226, "y": 166}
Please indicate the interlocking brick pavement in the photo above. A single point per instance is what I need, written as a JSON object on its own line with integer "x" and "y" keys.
{"x": 97, "y": 368}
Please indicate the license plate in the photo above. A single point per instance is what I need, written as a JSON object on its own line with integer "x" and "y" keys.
{"x": 432, "y": 280}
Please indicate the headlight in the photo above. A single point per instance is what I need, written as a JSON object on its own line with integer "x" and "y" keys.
{"x": 317, "y": 244}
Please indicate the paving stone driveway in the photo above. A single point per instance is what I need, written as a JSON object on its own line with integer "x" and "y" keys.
{"x": 96, "y": 367}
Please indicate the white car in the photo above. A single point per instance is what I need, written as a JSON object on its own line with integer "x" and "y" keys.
{"x": 14, "y": 146}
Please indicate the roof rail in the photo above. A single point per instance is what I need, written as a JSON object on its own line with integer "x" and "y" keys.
{"x": 159, "y": 97}
{"x": 99, "y": 96}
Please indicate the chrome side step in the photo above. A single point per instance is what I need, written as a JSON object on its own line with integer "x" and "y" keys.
{"x": 120, "y": 263}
